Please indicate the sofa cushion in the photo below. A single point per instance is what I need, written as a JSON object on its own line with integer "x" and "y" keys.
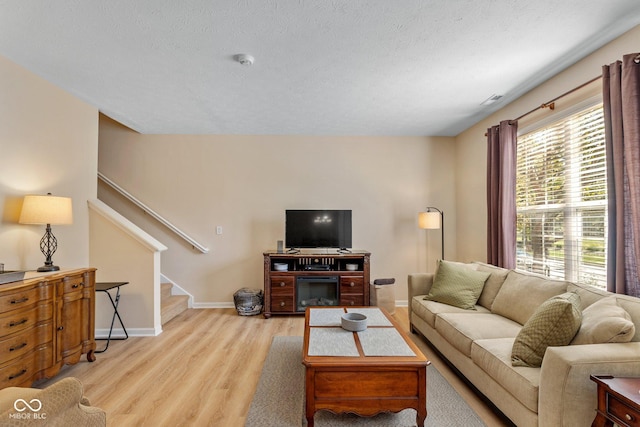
{"x": 493, "y": 283}
{"x": 631, "y": 306}
{"x": 457, "y": 285}
{"x": 605, "y": 321}
{"x": 588, "y": 294}
{"x": 554, "y": 323}
{"x": 522, "y": 293}
{"x": 461, "y": 329}
{"x": 493, "y": 356}
{"x": 428, "y": 310}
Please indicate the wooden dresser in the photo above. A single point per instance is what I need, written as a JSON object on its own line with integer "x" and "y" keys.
{"x": 46, "y": 321}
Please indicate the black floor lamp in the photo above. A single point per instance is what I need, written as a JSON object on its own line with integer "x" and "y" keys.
{"x": 432, "y": 219}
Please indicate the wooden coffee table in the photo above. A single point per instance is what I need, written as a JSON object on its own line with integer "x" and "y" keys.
{"x": 365, "y": 373}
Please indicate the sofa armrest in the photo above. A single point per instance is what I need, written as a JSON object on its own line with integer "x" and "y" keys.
{"x": 66, "y": 405}
{"x": 61, "y": 404}
{"x": 567, "y": 396}
{"x": 419, "y": 284}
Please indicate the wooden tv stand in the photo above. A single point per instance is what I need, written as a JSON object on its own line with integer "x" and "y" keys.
{"x": 281, "y": 293}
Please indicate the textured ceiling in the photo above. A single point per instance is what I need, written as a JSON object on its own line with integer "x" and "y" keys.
{"x": 341, "y": 67}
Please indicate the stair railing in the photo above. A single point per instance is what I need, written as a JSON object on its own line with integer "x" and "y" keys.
{"x": 154, "y": 214}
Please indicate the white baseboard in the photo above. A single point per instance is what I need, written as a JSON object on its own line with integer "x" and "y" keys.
{"x": 119, "y": 333}
{"x": 214, "y": 305}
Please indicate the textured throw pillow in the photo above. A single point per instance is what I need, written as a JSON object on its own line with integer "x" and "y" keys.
{"x": 554, "y": 323}
{"x": 457, "y": 285}
{"x": 605, "y": 321}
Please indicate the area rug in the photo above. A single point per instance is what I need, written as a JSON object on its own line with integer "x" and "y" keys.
{"x": 279, "y": 397}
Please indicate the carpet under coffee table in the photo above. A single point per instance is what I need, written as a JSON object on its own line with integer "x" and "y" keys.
{"x": 377, "y": 370}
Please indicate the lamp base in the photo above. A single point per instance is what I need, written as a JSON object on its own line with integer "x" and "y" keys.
{"x": 45, "y": 268}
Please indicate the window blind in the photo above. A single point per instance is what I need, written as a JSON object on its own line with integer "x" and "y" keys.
{"x": 561, "y": 199}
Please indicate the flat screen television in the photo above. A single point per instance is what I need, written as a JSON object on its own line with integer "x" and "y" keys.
{"x": 318, "y": 229}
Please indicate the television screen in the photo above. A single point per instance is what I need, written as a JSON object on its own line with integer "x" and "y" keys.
{"x": 318, "y": 229}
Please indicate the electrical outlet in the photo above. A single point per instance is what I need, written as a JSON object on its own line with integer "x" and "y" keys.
{"x": 219, "y": 229}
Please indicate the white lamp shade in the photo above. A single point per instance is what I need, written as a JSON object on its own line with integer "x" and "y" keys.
{"x": 429, "y": 220}
{"x": 46, "y": 210}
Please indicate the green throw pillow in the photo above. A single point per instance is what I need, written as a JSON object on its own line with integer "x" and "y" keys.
{"x": 554, "y": 323}
{"x": 457, "y": 285}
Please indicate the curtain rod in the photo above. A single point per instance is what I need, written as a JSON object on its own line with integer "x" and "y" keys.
{"x": 551, "y": 104}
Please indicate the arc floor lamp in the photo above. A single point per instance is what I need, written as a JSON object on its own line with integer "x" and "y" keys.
{"x": 432, "y": 219}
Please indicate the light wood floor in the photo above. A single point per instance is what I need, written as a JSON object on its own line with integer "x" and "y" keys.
{"x": 202, "y": 371}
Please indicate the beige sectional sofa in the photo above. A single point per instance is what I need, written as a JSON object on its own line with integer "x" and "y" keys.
{"x": 479, "y": 344}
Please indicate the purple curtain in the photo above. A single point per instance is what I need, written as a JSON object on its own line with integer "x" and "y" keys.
{"x": 621, "y": 97}
{"x": 501, "y": 194}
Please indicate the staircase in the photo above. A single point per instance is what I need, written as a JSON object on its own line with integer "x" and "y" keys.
{"x": 171, "y": 305}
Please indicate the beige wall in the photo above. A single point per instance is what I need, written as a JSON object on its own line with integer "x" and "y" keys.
{"x": 48, "y": 143}
{"x": 471, "y": 144}
{"x": 120, "y": 254}
{"x": 245, "y": 183}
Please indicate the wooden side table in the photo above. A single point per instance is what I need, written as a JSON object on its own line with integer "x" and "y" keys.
{"x": 618, "y": 401}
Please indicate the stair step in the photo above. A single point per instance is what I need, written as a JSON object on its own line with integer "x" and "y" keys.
{"x": 165, "y": 290}
{"x": 173, "y": 306}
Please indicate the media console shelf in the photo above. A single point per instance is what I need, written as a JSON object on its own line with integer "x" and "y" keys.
{"x": 295, "y": 281}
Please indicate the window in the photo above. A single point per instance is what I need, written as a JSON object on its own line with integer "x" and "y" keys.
{"x": 561, "y": 199}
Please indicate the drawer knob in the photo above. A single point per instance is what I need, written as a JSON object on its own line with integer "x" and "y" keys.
{"x": 60, "y": 328}
{"x": 76, "y": 286}
{"x": 352, "y": 284}
{"x": 282, "y": 283}
{"x": 352, "y": 303}
{"x": 19, "y": 301}
{"x": 628, "y": 417}
{"x": 282, "y": 303}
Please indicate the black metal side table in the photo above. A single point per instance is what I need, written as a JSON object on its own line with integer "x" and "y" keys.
{"x": 106, "y": 287}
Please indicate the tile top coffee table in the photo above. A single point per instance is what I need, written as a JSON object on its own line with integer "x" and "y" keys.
{"x": 377, "y": 370}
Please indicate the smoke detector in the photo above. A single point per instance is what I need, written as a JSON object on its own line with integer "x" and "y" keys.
{"x": 244, "y": 59}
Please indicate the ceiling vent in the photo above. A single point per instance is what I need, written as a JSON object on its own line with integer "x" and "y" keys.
{"x": 491, "y": 100}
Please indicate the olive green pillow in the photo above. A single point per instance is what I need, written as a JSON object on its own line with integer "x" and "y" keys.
{"x": 554, "y": 323}
{"x": 457, "y": 285}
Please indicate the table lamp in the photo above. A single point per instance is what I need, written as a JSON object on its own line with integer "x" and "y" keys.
{"x": 47, "y": 210}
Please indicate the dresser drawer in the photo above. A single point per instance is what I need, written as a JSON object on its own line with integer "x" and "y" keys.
{"x": 626, "y": 414}
{"x": 21, "y": 320}
{"x": 282, "y": 285}
{"x": 351, "y": 300}
{"x": 22, "y": 372}
{"x": 351, "y": 284}
{"x": 282, "y": 303}
{"x": 24, "y": 342}
{"x": 73, "y": 284}
{"x": 24, "y": 298}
